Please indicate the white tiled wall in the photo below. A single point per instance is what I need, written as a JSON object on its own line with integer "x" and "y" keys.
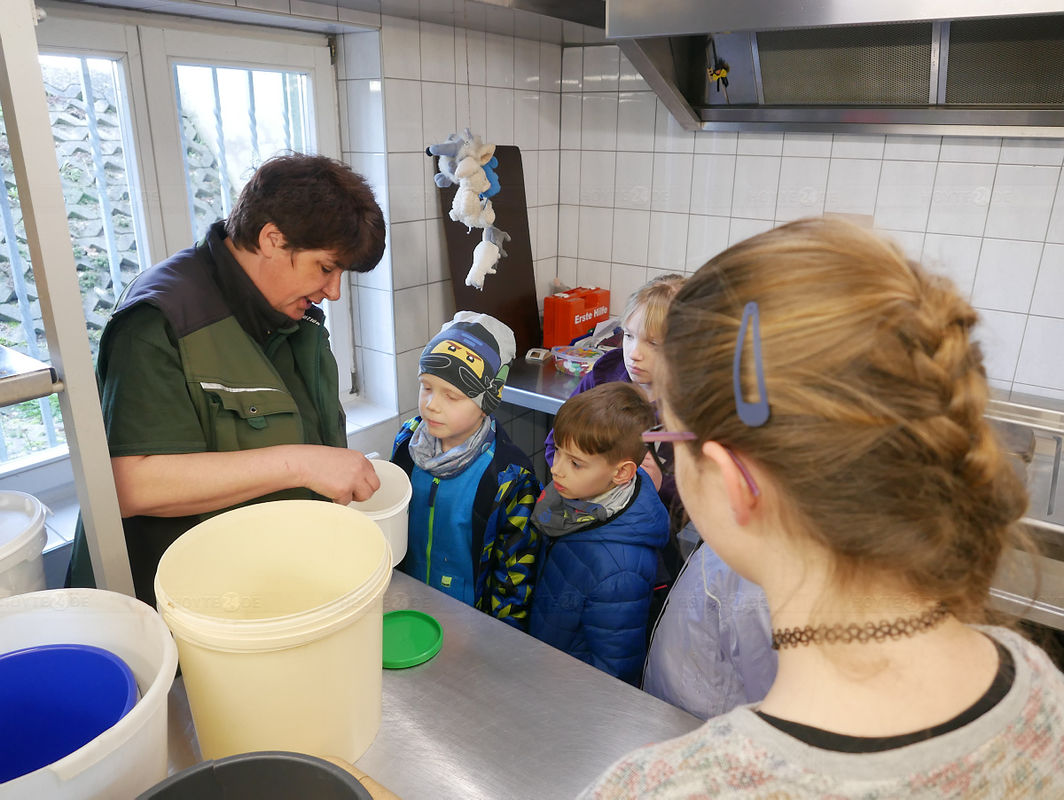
{"x": 639, "y": 195}
{"x": 418, "y": 87}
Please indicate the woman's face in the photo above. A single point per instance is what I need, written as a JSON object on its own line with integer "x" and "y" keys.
{"x": 301, "y": 278}
{"x": 640, "y": 351}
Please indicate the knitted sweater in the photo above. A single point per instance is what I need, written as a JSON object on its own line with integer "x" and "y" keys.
{"x": 1014, "y": 750}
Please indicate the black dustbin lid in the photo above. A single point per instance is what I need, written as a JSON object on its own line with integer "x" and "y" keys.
{"x": 264, "y": 775}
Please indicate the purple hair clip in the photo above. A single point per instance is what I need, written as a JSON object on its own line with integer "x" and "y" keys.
{"x": 752, "y": 414}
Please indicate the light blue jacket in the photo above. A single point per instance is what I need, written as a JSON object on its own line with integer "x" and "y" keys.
{"x": 712, "y": 647}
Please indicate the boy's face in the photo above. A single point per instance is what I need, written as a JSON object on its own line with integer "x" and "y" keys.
{"x": 580, "y": 476}
{"x": 450, "y": 415}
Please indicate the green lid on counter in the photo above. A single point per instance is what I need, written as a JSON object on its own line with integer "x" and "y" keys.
{"x": 410, "y": 638}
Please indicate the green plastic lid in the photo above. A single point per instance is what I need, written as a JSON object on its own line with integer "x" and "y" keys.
{"x": 410, "y": 638}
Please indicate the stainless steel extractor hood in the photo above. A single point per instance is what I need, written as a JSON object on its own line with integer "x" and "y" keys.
{"x": 953, "y": 67}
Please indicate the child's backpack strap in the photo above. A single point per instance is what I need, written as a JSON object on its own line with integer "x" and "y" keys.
{"x": 401, "y": 450}
{"x": 483, "y": 504}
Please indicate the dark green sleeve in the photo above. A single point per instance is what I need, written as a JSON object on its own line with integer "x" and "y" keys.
{"x": 146, "y": 406}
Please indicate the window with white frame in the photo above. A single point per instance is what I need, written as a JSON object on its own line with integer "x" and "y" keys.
{"x": 155, "y": 135}
{"x": 231, "y": 118}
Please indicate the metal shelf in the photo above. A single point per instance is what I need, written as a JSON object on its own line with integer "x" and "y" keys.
{"x": 23, "y": 378}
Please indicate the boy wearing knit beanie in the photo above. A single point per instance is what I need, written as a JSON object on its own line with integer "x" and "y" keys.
{"x": 473, "y": 489}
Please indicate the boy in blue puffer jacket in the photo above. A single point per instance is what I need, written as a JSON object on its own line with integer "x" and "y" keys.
{"x": 602, "y": 526}
{"x": 473, "y": 489}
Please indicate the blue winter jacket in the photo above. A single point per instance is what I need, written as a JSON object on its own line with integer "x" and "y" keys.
{"x": 592, "y": 597}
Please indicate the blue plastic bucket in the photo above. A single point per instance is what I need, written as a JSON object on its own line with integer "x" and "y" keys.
{"x": 56, "y": 698}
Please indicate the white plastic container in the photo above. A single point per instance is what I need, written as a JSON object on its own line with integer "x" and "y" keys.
{"x": 277, "y": 610}
{"x": 389, "y": 506}
{"x": 22, "y": 539}
{"x": 131, "y": 756}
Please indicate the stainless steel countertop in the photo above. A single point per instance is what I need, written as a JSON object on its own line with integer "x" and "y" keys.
{"x": 496, "y": 714}
{"x": 499, "y": 714}
{"x": 538, "y": 386}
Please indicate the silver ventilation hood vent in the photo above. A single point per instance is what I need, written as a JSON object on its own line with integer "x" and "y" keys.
{"x": 962, "y": 67}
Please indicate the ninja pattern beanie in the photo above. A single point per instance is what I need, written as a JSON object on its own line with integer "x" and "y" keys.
{"x": 472, "y": 352}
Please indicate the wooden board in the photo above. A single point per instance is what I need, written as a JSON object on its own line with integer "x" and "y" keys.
{"x": 510, "y": 294}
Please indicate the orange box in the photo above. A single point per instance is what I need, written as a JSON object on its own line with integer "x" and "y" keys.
{"x": 568, "y": 315}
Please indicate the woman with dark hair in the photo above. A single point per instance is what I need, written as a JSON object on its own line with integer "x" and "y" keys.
{"x": 217, "y": 382}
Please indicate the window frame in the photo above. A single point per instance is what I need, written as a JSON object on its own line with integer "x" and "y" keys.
{"x": 64, "y": 35}
{"x": 164, "y": 46}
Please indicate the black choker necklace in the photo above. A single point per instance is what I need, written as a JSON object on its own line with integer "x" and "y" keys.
{"x": 868, "y": 632}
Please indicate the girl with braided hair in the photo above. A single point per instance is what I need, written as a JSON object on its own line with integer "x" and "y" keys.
{"x": 826, "y": 401}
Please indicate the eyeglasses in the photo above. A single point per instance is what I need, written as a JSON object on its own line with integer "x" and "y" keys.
{"x": 657, "y": 435}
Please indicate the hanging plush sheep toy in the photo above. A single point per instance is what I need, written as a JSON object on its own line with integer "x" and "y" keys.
{"x": 470, "y": 163}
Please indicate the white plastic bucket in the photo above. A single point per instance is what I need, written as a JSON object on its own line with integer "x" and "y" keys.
{"x": 389, "y": 506}
{"x": 22, "y": 539}
{"x": 131, "y": 756}
{"x": 277, "y": 610}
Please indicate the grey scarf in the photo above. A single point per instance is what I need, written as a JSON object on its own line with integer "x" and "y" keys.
{"x": 428, "y": 453}
{"x": 557, "y": 516}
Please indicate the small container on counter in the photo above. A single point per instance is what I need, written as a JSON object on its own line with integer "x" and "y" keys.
{"x": 575, "y": 360}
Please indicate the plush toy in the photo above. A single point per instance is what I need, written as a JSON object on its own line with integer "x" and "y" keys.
{"x": 486, "y": 255}
{"x": 493, "y": 178}
{"x": 470, "y": 163}
{"x": 446, "y": 164}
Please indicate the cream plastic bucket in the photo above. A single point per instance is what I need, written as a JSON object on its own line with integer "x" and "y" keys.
{"x": 22, "y": 540}
{"x": 130, "y": 756}
{"x": 389, "y": 506}
{"x": 277, "y": 610}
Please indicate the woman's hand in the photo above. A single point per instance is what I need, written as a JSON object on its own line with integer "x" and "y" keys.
{"x": 342, "y": 475}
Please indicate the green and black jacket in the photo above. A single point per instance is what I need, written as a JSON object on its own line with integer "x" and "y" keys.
{"x": 240, "y": 398}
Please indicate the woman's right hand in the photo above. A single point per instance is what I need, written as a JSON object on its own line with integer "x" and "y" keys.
{"x": 340, "y": 474}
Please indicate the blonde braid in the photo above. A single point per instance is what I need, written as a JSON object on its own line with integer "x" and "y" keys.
{"x": 983, "y": 493}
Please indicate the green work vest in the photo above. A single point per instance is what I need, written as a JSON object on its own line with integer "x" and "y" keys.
{"x": 239, "y": 396}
